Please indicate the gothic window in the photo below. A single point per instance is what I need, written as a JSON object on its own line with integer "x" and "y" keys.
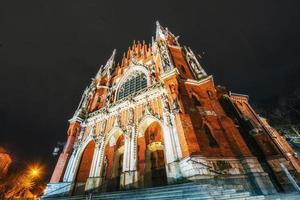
{"x": 133, "y": 84}
{"x": 210, "y": 94}
{"x": 196, "y": 101}
{"x": 212, "y": 141}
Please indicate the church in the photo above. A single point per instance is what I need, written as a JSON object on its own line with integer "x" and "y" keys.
{"x": 156, "y": 118}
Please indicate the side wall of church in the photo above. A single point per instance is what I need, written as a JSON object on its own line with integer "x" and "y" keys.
{"x": 264, "y": 141}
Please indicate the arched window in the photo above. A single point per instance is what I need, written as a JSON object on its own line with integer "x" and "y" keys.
{"x": 196, "y": 101}
{"x": 212, "y": 141}
{"x": 133, "y": 84}
{"x": 210, "y": 94}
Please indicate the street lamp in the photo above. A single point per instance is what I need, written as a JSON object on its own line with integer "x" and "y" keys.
{"x": 34, "y": 171}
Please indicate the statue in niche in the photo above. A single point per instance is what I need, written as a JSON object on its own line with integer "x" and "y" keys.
{"x": 152, "y": 73}
{"x": 130, "y": 116}
{"x": 166, "y": 63}
{"x": 165, "y": 102}
{"x": 173, "y": 90}
{"x": 175, "y": 105}
{"x": 105, "y": 165}
{"x": 165, "y": 58}
{"x": 196, "y": 68}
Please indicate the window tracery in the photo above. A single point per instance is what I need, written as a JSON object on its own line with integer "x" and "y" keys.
{"x": 133, "y": 84}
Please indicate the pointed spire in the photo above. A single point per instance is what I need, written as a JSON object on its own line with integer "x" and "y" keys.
{"x": 109, "y": 64}
{"x": 99, "y": 72}
{"x": 160, "y": 31}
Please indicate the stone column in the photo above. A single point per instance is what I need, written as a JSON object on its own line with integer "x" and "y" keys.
{"x": 70, "y": 166}
{"x": 171, "y": 142}
{"x": 95, "y": 180}
{"x": 70, "y": 172}
{"x": 63, "y": 159}
{"x": 129, "y": 178}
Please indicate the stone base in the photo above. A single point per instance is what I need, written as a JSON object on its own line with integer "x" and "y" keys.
{"x": 241, "y": 174}
{"x": 190, "y": 168}
{"x": 261, "y": 183}
{"x": 129, "y": 180}
{"x": 93, "y": 184}
{"x": 260, "y": 180}
{"x": 174, "y": 174}
{"x": 285, "y": 183}
{"x": 58, "y": 189}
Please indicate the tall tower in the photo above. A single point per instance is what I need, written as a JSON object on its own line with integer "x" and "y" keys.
{"x": 157, "y": 118}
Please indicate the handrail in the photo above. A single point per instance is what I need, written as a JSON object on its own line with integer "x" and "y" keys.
{"x": 58, "y": 189}
{"x": 209, "y": 167}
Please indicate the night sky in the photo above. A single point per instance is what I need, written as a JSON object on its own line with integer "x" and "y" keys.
{"x": 50, "y": 50}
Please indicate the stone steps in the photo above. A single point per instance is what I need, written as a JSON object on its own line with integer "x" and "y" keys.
{"x": 168, "y": 194}
{"x": 192, "y": 188}
{"x": 190, "y": 191}
{"x": 289, "y": 196}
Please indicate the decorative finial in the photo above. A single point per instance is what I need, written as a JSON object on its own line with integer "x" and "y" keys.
{"x": 159, "y": 31}
{"x": 108, "y": 65}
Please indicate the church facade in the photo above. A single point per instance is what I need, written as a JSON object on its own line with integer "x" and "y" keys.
{"x": 157, "y": 118}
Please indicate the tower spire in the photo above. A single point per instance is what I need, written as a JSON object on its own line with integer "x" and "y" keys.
{"x": 164, "y": 34}
{"x": 160, "y": 32}
{"x": 108, "y": 66}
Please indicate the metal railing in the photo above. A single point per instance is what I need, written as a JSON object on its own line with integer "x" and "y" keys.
{"x": 208, "y": 167}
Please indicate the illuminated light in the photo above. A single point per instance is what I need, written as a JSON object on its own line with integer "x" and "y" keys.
{"x": 34, "y": 171}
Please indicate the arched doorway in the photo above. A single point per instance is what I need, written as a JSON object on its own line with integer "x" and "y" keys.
{"x": 113, "y": 163}
{"x": 151, "y": 157}
{"x": 84, "y": 167}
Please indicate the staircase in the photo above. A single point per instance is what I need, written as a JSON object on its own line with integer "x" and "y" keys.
{"x": 284, "y": 196}
{"x": 191, "y": 191}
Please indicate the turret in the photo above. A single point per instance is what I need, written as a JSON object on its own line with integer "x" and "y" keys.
{"x": 194, "y": 64}
{"x": 101, "y": 87}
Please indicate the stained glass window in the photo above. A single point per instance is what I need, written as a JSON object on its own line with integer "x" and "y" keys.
{"x": 132, "y": 85}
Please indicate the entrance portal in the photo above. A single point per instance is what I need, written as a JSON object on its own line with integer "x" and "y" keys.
{"x": 155, "y": 170}
{"x": 84, "y": 167}
{"x": 114, "y": 164}
{"x": 158, "y": 170}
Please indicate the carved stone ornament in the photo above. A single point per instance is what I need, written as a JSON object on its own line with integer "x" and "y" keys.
{"x": 131, "y": 116}
{"x": 166, "y": 62}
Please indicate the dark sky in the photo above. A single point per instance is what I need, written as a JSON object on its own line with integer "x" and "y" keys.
{"x": 50, "y": 50}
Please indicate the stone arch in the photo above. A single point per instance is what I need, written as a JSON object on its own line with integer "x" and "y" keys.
{"x": 209, "y": 135}
{"x": 113, "y": 159}
{"x": 151, "y": 153}
{"x": 145, "y": 122}
{"x": 79, "y": 153}
{"x": 117, "y": 162}
{"x": 114, "y": 132}
{"x": 196, "y": 100}
{"x": 84, "y": 163}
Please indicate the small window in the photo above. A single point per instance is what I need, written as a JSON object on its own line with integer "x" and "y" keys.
{"x": 196, "y": 101}
{"x": 210, "y": 94}
{"x": 212, "y": 141}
